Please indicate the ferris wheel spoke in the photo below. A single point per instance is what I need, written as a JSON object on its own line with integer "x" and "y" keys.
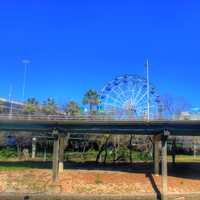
{"x": 128, "y": 94}
{"x": 122, "y": 93}
{"x": 128, "y": 91}
{"x": 130, "y": 87}
{"x": 143, "y": 103}
{"x": 118, "y": 97}
{"x": 140, "y": 108}
{"x": 121, "y": 98}
{"x": 112, "y": 106}
{"x": 133, "y": 92}
{"x": 115, "y": 100}
{"x": 144, "y": 108}
{"x": 138, "y": 94}
{"x": 141, "y": 98}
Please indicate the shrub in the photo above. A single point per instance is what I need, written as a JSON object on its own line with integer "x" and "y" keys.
{"x": 8, "y": 152}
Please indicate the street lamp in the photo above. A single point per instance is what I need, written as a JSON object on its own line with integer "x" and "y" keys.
{"x": 26, "y": 63}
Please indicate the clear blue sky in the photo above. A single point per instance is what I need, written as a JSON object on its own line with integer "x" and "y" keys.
{"x": 77, "y": 45}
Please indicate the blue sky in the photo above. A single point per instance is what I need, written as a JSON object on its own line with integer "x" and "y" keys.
{"x": 77, "y": 45}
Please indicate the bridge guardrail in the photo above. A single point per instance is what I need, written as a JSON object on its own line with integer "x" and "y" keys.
{"x": 88, "y": 117}
{"x": 99, "y": 117}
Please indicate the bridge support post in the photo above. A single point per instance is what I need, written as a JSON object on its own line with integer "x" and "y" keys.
{"x": 164, "y": 165}
{"x": 156, "y": 154}
{"x": 34, "y": 140}
{"x": 55, "y": 156}
{"x": 63, "y": 142}
{"x": 61, "y": 153}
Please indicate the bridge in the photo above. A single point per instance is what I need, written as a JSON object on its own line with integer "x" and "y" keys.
{"x": 60, "y": 126}
{"x": 97, "y": 125}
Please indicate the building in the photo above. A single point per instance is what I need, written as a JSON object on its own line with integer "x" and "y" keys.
{"x": 190, "y": 115}
{"x": 11, "y": 106}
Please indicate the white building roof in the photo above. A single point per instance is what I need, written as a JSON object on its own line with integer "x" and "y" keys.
{"x": 12, "y": 101}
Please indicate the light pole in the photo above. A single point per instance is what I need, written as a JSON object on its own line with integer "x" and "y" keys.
{"x": 25, "y": 62}
{"x": 148, "y": 91}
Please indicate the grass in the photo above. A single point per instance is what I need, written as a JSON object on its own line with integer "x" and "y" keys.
{"x": 12, "y": 168}
{"x": 9, "y": 160}
{"x": 185, "y": 158}
{"x": 23, "y": 165}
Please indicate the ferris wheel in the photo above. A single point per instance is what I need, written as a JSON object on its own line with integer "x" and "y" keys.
{"x": 125, "y": 97}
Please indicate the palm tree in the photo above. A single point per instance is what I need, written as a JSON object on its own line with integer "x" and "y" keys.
{"x": 91, "y": 98}
{"x": 50, "y": 107}
{"x": 72, "y": 108}
{"x": 31, "y": 106}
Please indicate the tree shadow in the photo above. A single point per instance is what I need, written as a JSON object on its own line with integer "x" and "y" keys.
{"x": 139, "y": 167}
{"x": 182, "y": 170}
{"x": 188, "y": 170}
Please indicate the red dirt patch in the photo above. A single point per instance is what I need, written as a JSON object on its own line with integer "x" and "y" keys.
{"x": 90, "y": 182}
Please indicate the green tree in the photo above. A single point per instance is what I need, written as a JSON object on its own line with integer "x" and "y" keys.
{"x": 91, "y": 98}
{"x": 72, "y": 108}
{"x": 50, "y": 106}
{"x": 31, "y": 106}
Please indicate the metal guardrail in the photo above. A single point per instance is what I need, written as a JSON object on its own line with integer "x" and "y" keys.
{"x": 40, "y": 117}
{"x": 87, "y": 117}
{"x": 98, "y": 117}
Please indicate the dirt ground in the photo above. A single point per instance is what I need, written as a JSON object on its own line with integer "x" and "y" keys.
{"x": 123, "y": 180}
